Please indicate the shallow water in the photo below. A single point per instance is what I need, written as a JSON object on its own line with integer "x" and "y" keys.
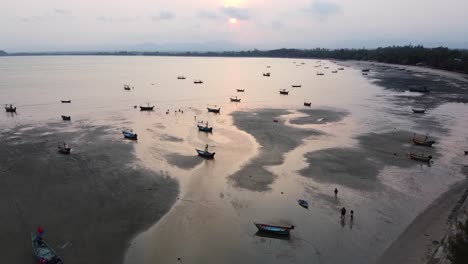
{"x": 212, "y": 219}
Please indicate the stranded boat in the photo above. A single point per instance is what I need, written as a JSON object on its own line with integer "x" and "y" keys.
{"x": 296, "y": 86}
{"x": 273, "y": 229}
{"x": 43, "y": 253}
{"x": 214, "y": 110}
{"x": 127, "y": 87}
{"x": 181, "y": 77}
{"x": 240, "y": 90}
{"x": 63, "y": 148}
{"x": 65, "y": 101}
{"x": 425, "y": 142}
{"x": 205, "y": 128}
{"x": 306, "y": 103}
{"x": 130, "y": 135}
{"x": 205, "y": 153}
{"x": 284, "y": 91}
{"x": 267, "y": 74}
{"x": 420, "y": 157}
{"x": 146, "y": 108}
{"x": 235, "y": 99}
{"x": 66, "y": 118}
{"x": 198, "y": 82}
{"x": 10, "y": 108}
{"x": 418, "y": 110}
{"x": 303, "y": 203}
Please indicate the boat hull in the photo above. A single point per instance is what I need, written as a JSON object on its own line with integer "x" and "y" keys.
{"x": 420, "y": 158}
{"x": 129, "y": 135}
{"x": 204, "y": 154}
{"x": 214, "y": 110}
{"x": 65, "y": 101}
{"x": 272, "y": 229}
{"x": 66, "y": 118}
{"x": 42, "y": 251}
{"x": 205, "y": 129}
{"x": 146, "y": 108}
{"x": 307, "y": 104}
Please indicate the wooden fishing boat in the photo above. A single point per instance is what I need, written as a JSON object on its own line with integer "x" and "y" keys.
{"x": 273, "y": 229}
{"x": 303, "y": 203}
{"x": 43, "y": 253}
{"x": 63, "y": 148}
{"x": 423, "y": 89}
{"x": 240, "y": 90}
{"x": 425, "y": 142}
{"x": 235, "y": 99}
{"x": 127, "y": 87}
{"x": 66, "y": 118}
{"x": 146, "y": 108}
{"x": 198, "y": 82}
{"x": 214, "y": 110}
{"x": 65, "y": 101}
{"x": 205, "y": 128}
{"x": 268, "y": 66}
{"x": 366, "y": 70}
{"x": 296, "y": 85}
{"x": 130, "y": 135}
{"x": 341, "y": 69}
{"x": 10, "y": 108}
{"x": 284, "y": 91}
{"x": 320, "y": 73}
{"x": 365, "y": 73}
{"x": 205, "y": 154}
{"x": 326, "y": 67}
{"x": 267, "y": 74}
{"x": 307, "y": 104}
{"x": 334, "y": 71}
{"x": 181, "y": 77}
{"x": 418, "y": 110}
{"x": 420, "y": 157}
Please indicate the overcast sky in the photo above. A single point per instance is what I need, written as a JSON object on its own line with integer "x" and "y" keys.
{"x": 67, "y": 25}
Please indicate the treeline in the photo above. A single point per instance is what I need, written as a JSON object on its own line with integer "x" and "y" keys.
{"x": 440, "y": 58}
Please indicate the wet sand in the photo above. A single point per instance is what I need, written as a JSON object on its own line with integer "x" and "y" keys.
{"x": 90, "y": 203}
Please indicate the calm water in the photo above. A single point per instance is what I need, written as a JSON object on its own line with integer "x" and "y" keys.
{"x": 212, "y": 220}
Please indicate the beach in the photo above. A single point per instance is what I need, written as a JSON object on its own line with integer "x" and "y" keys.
{"x": 118, "y": 201}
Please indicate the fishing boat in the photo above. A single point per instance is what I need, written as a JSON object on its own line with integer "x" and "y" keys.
{"x": 425, "y": 142}
{"x": 267, "y": 74}
{"x": 326, "y": 67}
{"x": 418, "y": 110}
{"x": 268, "y": 66}
{"x": 198, "y": 82}
{"x": 146, "y": 108}
{"x": 65, "y": 101}
{"x": 127, "y": 87}
{"x": 240, "y": 90}
{"x": 44, "y": 253}
{"x": 303, "y": 203}
{"x": 214, "y": 110}
{"x": 466, "y": 152}
{"x": 422, "y": 89}
{"x": 334, "y": 71}
{"x": 66, "y": 118}
{"x": 320, "y": 73}
{"x": 130, "y": 135}
{"x": 365, "y": 73}
{"x": 284, "y": 91}
{"x": 181, "y": 77}
{"x": 366, "y": 70}
{"x": 296, "y": 86}
{"x": 273, "y": 229}
{"x": 340, "y": 69}
{"x": 306, "y": 103}
{"x": 235, "y": 99}
{"x": 63, "y": 148}
{"x": 205, "y": 128}
{"x": 420, "y": 157}
{"x": 205, "y": 153}
{"x": 10, "y": 108}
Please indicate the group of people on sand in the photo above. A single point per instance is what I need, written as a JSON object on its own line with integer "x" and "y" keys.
{"x": 343, "y": 210}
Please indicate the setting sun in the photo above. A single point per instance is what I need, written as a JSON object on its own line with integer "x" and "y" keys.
{"x": 233, "y": 20}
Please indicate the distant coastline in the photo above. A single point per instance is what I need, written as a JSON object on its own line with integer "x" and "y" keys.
{"x": 443, "y": 58}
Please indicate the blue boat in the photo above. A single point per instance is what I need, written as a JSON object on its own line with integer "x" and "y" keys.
{"x": 277, "y": 230}
{"x": 205, "y": 129}
{"x": 205, "y": 153}
{"x": 303, "y": 203}
{"x": 130, "y": 135}
{"x": 42, "y": 251}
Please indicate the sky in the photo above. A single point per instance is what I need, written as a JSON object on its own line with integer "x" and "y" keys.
{"x": 200, "y": 25}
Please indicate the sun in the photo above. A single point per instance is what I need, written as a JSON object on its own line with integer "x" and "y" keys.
{"x": 233, "y": 20}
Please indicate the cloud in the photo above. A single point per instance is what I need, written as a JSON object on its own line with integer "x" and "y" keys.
{"x": 277, "y": 24}
{"x": 205, "y": 14}
{"x": 239, "y": 13}
{"x": 62, "y": 11}
{"x": 323, "y": 9}
{"x": 117, "y": 19}
{"x": 163, "y": 15}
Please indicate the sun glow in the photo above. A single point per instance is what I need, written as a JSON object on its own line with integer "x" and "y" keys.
{"x": 232, "y": 3}
{"x": 233, "y": 20}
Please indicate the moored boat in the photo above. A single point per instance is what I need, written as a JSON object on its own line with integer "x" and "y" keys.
{"x": 198, "y": 82}
{"x": 205, "y": 153}
{"x": 366, "y": 70}
{"x": 127, "y": 87}
{"x": 341, "y": 69}
{"x": 65, "y": 101}
{"x": 303, "y": 203}
{"x": 425, "y": 142}
{"x": 204, "y": 128}
{"x": 306, "y": 103}
{"x": 420, "y": 157}
{"x": 273, "y": 229}
{"x": 130, "y": 135}
{"x": 235, "y": 99}
{"x": 418, "y": 110}
{"x": 43, "y": 252}
{"x": 181, "y": 77}
{"x": 63, "y": 148}
{"x": 296, "y": 85}
{"x": 334, "y": 71}
{"x": 284, "y": 91}
{"x": 422, "y": 89}
{"x": 10, "y": 108}
{"x": 146, "y": 108}
{"x": 66, "y": 118}
{"x": 320, "y": 73}
{"x": 266, "y": 74}
{"x": 240, "y": 90}
{"x": 214, "y": 110}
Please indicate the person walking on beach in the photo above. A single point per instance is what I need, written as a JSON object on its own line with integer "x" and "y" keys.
{"x": 343, "y": 213}
{"x": 352, "y": 215}
{"x": 336, "y": 193}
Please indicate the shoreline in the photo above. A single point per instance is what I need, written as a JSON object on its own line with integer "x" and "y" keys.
{"x": 418, "y": 242}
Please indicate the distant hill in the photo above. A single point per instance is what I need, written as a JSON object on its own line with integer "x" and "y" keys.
{"x": 3, "y": 53}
